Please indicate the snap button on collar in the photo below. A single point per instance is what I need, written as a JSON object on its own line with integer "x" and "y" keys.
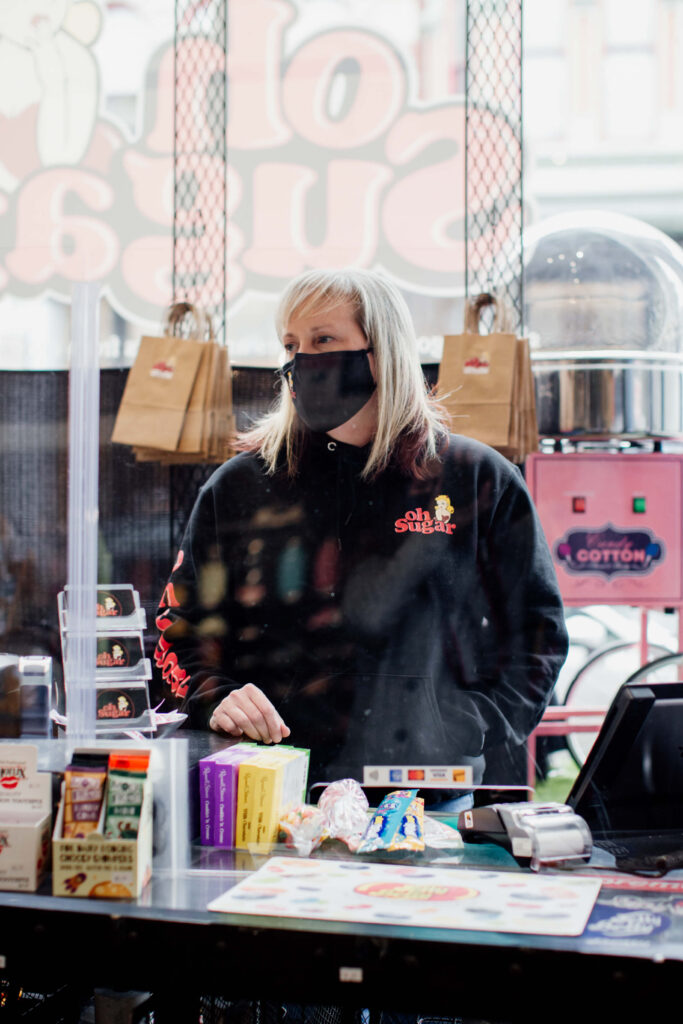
{"x": 331, "y": 446}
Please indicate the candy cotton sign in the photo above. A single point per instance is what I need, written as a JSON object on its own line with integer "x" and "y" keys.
{"x": 609, "y": 550}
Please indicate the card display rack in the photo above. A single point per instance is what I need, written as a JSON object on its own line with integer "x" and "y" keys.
{"x": 121, "y": 670}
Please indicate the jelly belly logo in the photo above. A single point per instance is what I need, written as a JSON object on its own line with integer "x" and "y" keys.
{"x": 609, "y": 551}
{"x": 477, "y": 364}
{"x": 411, "y": 891}
{"x": 11, "y": 777}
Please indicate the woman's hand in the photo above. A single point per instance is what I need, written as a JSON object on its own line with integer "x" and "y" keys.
{"x": 248, "y": 712}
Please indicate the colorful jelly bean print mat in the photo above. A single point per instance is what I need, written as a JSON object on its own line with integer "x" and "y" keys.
{"x": 502, "y": 901}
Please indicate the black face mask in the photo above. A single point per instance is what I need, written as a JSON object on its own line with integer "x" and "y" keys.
{"x": 328, "y": 389}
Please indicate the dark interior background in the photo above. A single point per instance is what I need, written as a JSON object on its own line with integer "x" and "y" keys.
{"x": 143, "y": 507}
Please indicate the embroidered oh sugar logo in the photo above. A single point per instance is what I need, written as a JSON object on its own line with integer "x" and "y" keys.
{"x": 419, "y": 520}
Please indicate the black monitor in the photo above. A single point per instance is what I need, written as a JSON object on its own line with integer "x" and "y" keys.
{"x": 632, "y": 781}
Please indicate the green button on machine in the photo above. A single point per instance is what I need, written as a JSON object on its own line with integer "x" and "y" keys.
{"x": 639, "y": 504}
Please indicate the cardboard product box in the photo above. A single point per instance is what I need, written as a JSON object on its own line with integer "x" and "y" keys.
{"x": 206, "y": 787}
{"x": 102, "y": 868}
{"x": 218, "y": 777}
{"x": 268, "y": 784}
{"x": 226, "y": 774}
{"x": 25, "y": 812}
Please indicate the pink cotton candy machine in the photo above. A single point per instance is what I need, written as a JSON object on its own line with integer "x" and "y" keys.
{"x": 613, "y": 523}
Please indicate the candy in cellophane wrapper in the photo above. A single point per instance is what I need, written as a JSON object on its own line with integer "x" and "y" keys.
{"x": 346, "y": 811}
{"x": 440, "y": 839}
{"x": 342, "y": 813}
{"x": 303, "y": 828}
{"x": 397, "y": 824}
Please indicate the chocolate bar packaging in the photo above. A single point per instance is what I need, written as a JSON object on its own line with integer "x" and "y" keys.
{"x": 110, "y": 857}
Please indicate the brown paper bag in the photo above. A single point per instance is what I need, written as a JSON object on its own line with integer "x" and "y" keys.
{"x": 486, "y": 383}
{"x": 529, "y": 421}
{"x": 194, "y": 436}
{"x": 209, "y": 423}
{"x": 479, "y": 380}
{"x": 158, "y": 391}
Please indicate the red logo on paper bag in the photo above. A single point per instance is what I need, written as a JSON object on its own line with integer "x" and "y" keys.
{"x": 477, "y": 364}
{"x": 164, "y": 369}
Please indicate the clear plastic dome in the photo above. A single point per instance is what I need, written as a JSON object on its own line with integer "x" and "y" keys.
{"x": 596, "y": 281}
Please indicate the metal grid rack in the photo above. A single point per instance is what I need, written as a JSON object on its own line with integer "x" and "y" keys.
{"x": 200, "y": 200}
{"x": 200, "y": 157}
{"x": 493, "y": 157}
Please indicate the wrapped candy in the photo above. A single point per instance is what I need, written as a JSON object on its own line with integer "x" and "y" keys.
{"x": 345, "y": 807}
{"x": 397, "y": 824}
{"x": 441, "y": 837}
{"x": 303, "y": 828}
{"x": 342, "y": 813}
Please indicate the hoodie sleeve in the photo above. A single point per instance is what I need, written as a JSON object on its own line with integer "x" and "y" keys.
{"x": 191, "y": 621}
{"x": 510, "y": 678}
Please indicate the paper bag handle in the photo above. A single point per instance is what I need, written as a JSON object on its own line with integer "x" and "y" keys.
{"x": 177, "y": 313}
{"x": 502, "y": 319}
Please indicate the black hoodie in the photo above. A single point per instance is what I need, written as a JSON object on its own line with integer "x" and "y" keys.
{"x": 389, "y": 622}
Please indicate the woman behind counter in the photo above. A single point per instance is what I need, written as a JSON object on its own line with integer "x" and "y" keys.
{"x": 357, "y": 580}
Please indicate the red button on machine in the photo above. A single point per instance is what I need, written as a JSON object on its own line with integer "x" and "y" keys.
{"x": 578, "y": 504}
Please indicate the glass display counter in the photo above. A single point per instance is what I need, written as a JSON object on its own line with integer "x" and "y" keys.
{"x": 168, "y": 942}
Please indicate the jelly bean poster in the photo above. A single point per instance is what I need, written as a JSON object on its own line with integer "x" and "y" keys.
{"x": 429, "y": 897}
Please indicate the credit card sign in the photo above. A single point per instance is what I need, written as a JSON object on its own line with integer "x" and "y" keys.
{"x": 428, "y": 776}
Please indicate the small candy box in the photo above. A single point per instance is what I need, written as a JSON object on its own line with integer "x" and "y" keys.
{"x": 102, "y": 840}
{"x": 269, "y": 783}
{"x": 25, "y": 799}
{"x": 218, "y": 781}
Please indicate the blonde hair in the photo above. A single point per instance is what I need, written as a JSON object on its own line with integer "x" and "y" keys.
{"x": 410, "y": 424}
